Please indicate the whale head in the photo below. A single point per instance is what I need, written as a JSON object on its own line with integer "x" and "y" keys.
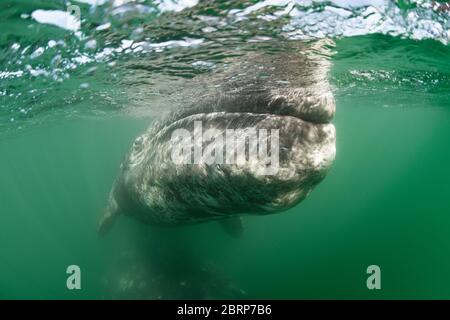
{"x": 255, "y": 138}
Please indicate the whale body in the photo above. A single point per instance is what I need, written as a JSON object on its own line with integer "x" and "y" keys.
{"x": 284, "y": 96}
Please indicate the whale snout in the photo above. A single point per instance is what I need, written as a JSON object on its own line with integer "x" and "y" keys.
{"x": 223, "y": 163}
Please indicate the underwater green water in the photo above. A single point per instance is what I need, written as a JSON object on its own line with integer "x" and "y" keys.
{"x": 385, "y": 201}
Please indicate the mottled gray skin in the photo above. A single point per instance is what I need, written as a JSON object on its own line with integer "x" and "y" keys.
{"x": 287, "y": 91}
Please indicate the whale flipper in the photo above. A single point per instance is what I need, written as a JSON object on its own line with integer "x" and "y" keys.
{"x": 233, "y": 226}
{"x": 108, "y": 218}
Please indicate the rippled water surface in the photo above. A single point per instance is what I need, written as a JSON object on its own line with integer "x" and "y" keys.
{"x": 75, "y": 93}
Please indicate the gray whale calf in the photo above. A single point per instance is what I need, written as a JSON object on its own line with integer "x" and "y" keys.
{"x": 287, "y": 92}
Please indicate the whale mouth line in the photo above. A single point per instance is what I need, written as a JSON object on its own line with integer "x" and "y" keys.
{"x": 258, "y": 115}
{"x": 286, "y": 114}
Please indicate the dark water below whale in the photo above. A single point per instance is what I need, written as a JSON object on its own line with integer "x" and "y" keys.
{"x": 64, "y": 129}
